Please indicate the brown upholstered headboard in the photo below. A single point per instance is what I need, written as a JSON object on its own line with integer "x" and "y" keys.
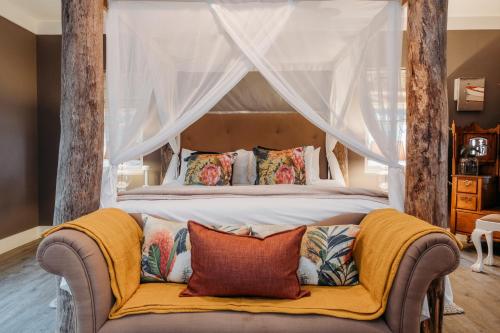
{"x": 229, "y": 132}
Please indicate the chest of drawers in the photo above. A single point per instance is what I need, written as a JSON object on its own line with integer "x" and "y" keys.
{"x": 472, "y": 197}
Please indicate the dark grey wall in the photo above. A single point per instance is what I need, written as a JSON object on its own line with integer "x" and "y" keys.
{"x": 49, "y": 99}
{"x": 475, "y": 53}
{"x": 18, "y": 130}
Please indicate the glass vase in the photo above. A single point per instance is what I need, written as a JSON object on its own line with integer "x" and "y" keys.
{"x": 469, "y": 166}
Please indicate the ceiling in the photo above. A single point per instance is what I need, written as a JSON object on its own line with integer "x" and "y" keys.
{"x": 37, "y": 16}
{"x": 43, "y": 16}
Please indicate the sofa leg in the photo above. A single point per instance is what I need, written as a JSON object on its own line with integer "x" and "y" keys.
{"x": 435, "y": 294}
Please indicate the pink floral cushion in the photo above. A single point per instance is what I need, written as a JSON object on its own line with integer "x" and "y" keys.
{"x": 280, "y": 166}
{"x": 166, "y": 249}
{"x": 210, "y": 169}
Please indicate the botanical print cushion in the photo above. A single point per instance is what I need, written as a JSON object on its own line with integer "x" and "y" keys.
{"x": 166, "y": 250}
{"x": 326, "y": 253}
{"x": 209, "y": 169}
{"x": 280, "y": 166}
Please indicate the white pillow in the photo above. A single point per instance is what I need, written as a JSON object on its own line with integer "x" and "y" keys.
{"x": 167, "y": 180}
{"x": 241, "y": 167}
{"x": 316, "y": 164}
{"x": 311, "y": 159}
{"x": 252, "y": 169}
{"x": 185, "y": 153}
{"x": 335, "y": 171}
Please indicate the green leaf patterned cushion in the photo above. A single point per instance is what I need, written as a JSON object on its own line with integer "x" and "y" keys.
{"x": 326, "y": 253}
{"x": 280, "y": 166}
{"x": 209, "y": 169}
{"x": 166, "y": 250}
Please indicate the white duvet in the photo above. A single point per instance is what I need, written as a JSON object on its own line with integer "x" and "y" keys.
{"x": 268, "y": 207}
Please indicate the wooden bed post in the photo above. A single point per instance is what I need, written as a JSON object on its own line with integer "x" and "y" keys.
{"x": 427, "y": 127}
{"x": 79, "y": 170}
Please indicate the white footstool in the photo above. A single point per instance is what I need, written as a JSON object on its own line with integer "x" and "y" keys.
{"x": 484, "y": 226}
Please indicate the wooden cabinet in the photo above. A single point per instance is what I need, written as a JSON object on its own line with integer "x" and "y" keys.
{"x": 475, "y": 196}
{"x": 472, "y": 197}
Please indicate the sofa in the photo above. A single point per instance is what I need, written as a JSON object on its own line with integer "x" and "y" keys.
{"x": 77, "y": 257}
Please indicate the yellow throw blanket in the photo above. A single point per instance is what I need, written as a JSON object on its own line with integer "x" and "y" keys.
{"x": 119, "y": 238}
{"x": 384, "y": 237}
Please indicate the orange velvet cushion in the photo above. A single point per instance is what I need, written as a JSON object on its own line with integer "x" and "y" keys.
{"x": 225, "y": 264}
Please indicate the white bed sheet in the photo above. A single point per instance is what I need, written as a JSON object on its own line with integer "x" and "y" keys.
{"x": 259, "y": 210}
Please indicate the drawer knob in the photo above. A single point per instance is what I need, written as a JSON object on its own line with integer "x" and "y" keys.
{"x": 467, "y": 182}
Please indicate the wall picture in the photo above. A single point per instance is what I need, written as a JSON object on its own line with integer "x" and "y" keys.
{"x": 469, "y": 94}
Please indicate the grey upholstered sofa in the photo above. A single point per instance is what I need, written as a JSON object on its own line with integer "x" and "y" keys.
{"x": 77, "y": 257}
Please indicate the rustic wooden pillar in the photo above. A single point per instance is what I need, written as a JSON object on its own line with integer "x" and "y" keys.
{"x": 427, "y": 112}
{"x": 166, "y": 154}
{"x": 427, "y": 126}
{"x": 341, "y": 152}
{"x": 82, "y": 123}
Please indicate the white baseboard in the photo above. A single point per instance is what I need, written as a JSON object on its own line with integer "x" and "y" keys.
{"x": 19, "y": 239}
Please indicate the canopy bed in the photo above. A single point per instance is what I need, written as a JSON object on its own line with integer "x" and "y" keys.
{"x": 289, "y": 204}
{"x": 164, "y": 74}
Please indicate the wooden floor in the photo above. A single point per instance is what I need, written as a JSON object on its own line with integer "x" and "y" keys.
{"x": 26, "y": 291}
{"x": 477, "y": 293}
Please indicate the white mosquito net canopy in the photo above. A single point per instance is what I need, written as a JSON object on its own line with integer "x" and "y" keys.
{"x": 336, "y": 62}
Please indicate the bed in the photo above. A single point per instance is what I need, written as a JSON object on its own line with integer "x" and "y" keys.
{"x": 259, "y": 204}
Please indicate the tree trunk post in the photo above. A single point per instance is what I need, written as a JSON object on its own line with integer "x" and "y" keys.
{"x": 79, "y": 169}
{"x": 427, "y": 127}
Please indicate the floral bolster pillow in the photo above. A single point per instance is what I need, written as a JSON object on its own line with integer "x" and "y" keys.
{"x": 209, "y": 169}
{"x": 326, "y": 253}
{"x": 166, "y": 250}
{"x": 280, "y": 166}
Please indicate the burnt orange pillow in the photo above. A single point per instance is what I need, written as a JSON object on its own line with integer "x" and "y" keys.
{"x": 232, "y": 265}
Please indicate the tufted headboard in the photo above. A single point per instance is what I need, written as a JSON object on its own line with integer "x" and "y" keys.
{"x": 231, "y": 131}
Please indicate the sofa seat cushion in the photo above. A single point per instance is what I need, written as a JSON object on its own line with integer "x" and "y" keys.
{"x": 353, "y": 302}
{"x": 241, "y": 322}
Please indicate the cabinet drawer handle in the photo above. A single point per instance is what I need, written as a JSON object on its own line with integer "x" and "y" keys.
{"x": 467, "y": 182}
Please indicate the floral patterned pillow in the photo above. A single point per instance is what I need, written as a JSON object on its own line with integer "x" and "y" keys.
{"x": 166, "y": 250}
{"x": 280, "y": 166}
{"x": 326, "y": 253}
{"x": 209, "y": 169}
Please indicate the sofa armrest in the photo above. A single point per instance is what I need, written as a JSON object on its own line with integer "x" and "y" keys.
{"x": 76, "y": 257}
{"x": 428, "y": 258}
